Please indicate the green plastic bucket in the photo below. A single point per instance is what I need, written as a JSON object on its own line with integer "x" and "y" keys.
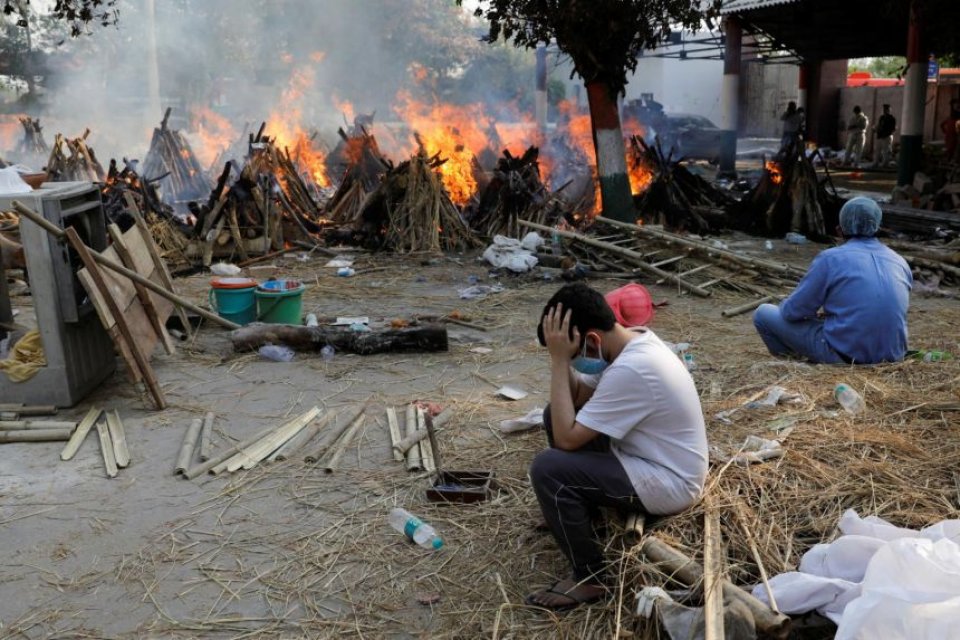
{"x": 280, "y": 302}
{"x": 232, "y": 299}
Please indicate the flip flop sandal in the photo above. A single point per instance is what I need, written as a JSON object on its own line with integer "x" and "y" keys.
{"x": 574, "y": 600}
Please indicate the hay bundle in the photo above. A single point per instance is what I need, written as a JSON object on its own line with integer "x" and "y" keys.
{"x": 411, "y": 211}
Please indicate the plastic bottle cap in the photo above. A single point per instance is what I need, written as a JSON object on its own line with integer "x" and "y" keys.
{"x": 437, "y": 543}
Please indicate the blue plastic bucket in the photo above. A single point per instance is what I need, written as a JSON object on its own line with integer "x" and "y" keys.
{"x": 280, "y": 302}
{"x": 233, "y": 299}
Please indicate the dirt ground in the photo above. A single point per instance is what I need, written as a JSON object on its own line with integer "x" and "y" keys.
{"x": 287, "y": 551}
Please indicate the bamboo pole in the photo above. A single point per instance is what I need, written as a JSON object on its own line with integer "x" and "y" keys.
{"x": 756, "y": 558}
{"x": 35, "y": 435}
{"x": 680, "y": 567}
{"x": 413, "y": 454}
{"x": 106, "y": 449}
{"x": 712, "y": 575}
{"x": 301, "y": 439}
{"x": 188, "y": 445}
{"x": 218, "y": 459}
{"x": 132, "y": 275}
{"x": 119, "y": 439}
{"x": 707, "y": 249}
{"x": 205, "y": 436}
{"x": 746, "y": 307}
{"x": 318, "y": 452}
{"x": 394, "y": 433}
{"x": 635, "y": 256}
{"x": 333, "y": 460}
{"x": 19, "y": 425}
{"x": 251, "y": 456}
{"x": 28, "y": 410}
{"x": 404, "y": 444}
{"x": 426, "y": 445}
{"x": 80, "y": 433}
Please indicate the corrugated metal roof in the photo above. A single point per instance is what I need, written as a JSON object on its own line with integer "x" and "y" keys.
{"x": 743, "y": 6}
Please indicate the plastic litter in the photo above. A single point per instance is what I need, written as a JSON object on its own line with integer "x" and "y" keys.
{"x": 479, "y": 291}
{"x": 533, "y": 418}
{"x": 414, "y": 528}
{"x": 224, "y": 269}
{"x": 508, "y": 253}
{"x": 311, "y": 320}
{"x": 848, "y": 398}
{"x": 327, "y": 353}
{"x": 795, "y": 238}
{"x": 346, "y": 272}
{"x": 276, "y": 353}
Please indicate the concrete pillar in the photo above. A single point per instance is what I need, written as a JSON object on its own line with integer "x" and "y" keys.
{"x": 803, "y": 83}
{"x": 914, "y": 100}
{"x": 540, "y": 103}
{"x": 729, "y": 97}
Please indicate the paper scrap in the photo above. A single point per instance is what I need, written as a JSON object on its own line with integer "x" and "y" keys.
{"x": 512, "y": 393}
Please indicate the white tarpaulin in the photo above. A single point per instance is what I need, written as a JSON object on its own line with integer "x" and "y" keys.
{"x": 510, "y": 254}
{"x": 879, "y": 581}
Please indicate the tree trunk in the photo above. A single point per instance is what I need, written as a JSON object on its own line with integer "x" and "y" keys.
{"x": 611, "y": 153}
{"x": 428, "y": 337}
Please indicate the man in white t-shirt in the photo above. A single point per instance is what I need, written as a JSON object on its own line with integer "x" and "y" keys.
{"x": 625, "y": 428}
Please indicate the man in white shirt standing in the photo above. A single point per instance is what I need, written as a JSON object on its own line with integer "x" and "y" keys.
{"x": 625, "y": 428}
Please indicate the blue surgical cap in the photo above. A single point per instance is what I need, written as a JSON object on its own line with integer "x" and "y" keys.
{"x": 860, "y": 217}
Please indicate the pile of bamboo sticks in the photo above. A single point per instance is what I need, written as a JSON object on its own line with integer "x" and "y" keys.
{"x": 410, "y": 443}
{"x": 72, "y": 160}
{"x": 171, "y": 162}
{"x": 295, "y": 437}
{"x": 111, "y": 434}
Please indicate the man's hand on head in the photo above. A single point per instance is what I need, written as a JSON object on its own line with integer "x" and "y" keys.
{"x": 562, "y": 343}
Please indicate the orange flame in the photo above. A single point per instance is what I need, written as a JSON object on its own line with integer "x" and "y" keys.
{"x": 455, "y": 132}
{"x": 345, "y": 107}
{"x": 11, "y": 131}
{"x": 214, "y": 132}
{"x": 284, "y": 125}
{"x": 773, "y": 170}
{"x": 318, "y": 56}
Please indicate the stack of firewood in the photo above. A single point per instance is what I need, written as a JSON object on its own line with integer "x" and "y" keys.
{"x": 73, "y": 160}
{"x": 675, "y": 198}
{"x": 788, "y": 198}
{"x": 514, "y": 192}
{"x": 171, "y": 162}
{"x": 411, "y": 211}
{"x": 32, "y": 142}
{"x": 362, "y": 171}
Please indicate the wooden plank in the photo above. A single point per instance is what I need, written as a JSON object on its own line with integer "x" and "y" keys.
{"x": 106, "y": 449}
{"x": 159, "y": 263}
{"x": 119, "y": 439}
{"x": 80, "y": 433}
{"x": 100, "y": 285}
{"x": 146, "y": 301}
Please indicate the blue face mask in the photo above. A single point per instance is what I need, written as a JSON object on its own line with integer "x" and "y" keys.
{"x": 589, "y": 366}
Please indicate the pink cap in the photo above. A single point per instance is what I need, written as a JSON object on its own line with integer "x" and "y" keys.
{"x": 631, "y": 304}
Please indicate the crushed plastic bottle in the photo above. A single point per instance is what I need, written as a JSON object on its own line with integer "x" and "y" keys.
{"x": 327, "y": 353}
{"x": 346, "y": 272}
{"x": 276, "y": 353}
{"x": 848, "y": 398}
{"x": 933, "y": 356}
{"x": 768, "y": 245}
{"x": 414, "y": 528}
{"x": 689, "y": 362}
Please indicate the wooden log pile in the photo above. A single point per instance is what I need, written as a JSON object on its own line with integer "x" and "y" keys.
{"x": 171, "y": 162}
{"x": 360, "y": 175}
{"x": 514, "y": 192}
{"x": 411, "y": 211}
{"x": 72, "y": 160}
{"x": 788, "y": 198}
{"x": 32, "y": 142}
{"x": 126, "y": 182}
{"x": 675, "y": 197}
{"x": 268, "y": 201}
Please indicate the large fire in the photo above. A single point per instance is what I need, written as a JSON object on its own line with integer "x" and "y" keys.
{"x": 285, "y": 126}
{"x": 455, "y": 132}
{"x": 215, "y": 134}
{"x": 773, "y": 169}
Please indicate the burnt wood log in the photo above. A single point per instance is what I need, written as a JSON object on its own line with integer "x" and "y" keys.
{"x": 428, "y": 337}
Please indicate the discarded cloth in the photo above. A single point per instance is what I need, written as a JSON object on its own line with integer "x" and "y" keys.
{"x": 509, "y": 253}
{"x": 25, "y": 359}
{"x": 533, "y": 418}
{"x": 878, "y": 580}
{"x": 479, "y": 291}
{"x": 11, "y": 182}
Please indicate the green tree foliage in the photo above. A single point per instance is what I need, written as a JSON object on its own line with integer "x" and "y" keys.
{"x": 603, "y": 38}
{"x": 78, "y": 15}
{"x": 882, "y": 67}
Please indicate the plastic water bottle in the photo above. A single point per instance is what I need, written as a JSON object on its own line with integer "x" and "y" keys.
{"x": 555, "y": 247}
{"x": 346, "y": 272}
{"x": 848, "y": 398}
{"x": 414, "y": 528}
{"x": 935, "y": 356}
{"x": 768, "y": 245}
{"x": 689, "y": 362}
{"x": 276, "y": 353}
{"x": 327, "y": 353}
